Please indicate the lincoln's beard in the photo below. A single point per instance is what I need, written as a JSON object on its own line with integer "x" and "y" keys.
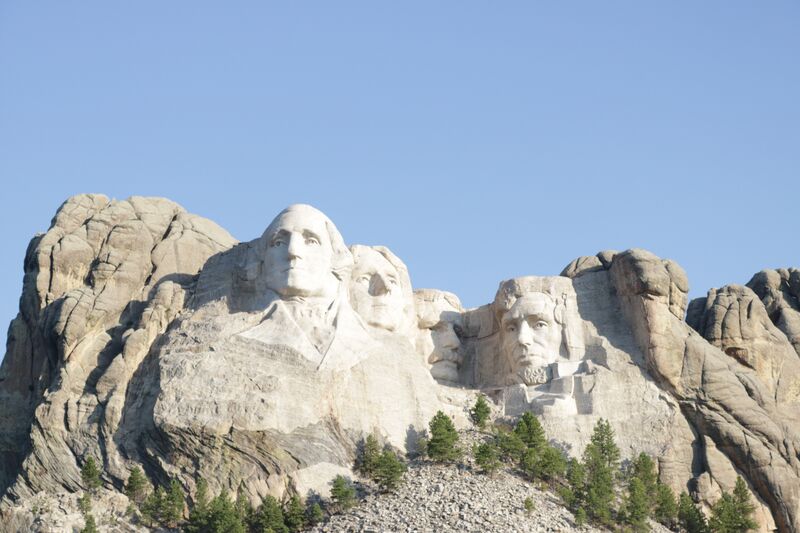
{"x": 533, "y": 375}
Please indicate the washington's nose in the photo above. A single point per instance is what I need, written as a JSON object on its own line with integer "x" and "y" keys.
{"x": 294, "y": 247}
{"x": 378, "y": 286}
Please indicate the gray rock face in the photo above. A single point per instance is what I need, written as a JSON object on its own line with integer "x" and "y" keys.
{"x": 149, "y": 336}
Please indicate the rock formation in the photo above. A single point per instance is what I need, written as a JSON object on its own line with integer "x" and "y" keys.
{"x": 149, "y": 336}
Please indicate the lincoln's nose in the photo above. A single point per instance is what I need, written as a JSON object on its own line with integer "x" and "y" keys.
{"x": 525, "y": 335}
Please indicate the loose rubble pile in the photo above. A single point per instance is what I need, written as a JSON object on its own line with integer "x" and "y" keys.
{"x": 439, "y": 498}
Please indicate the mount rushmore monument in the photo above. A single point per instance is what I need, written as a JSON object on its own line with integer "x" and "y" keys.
{"x": 148, "y": 336}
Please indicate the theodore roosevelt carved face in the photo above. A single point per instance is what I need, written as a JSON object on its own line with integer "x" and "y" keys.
{"x": 439, "y": 338}
{"x": 531, "y": 337}
{"x": 303, "y": 253}
{"x": 376, "y": 288}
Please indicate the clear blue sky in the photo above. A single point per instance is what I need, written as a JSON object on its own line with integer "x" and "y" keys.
{"x": 478, "y": 140}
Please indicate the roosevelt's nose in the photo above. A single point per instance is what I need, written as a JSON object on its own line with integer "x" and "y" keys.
{"x": 378, "y": 286}
{"x": 449, "y": 338}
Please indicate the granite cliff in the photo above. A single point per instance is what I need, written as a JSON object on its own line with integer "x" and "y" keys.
{"x": 149, "y": 336}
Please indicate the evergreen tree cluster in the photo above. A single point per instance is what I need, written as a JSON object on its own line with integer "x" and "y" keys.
{"x": 526, "y": 447}
{"x": 383, "y": 467}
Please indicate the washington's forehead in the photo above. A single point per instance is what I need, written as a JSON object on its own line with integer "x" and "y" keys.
{"x": 299, "y": 221}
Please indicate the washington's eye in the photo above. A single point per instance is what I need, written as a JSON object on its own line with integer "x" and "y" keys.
{"x": 277, "y": 242}
{"x": 312, "y": 240}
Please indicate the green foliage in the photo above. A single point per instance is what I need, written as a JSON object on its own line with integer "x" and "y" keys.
{"x": 268, "y": 517}
{"x": 690, "y": 517}
{"x": 602, "y": 441}
{"x": 90, "y": 526}
{"x": 599, "y": 488}
{"x": 530, "y": 431}
{"x": 294, "y": 514}
{"x": 480, "y": 412}
{"x": 164, "y": 506}
{"x": 580, "y": 516}
{"x": 368, "y": 458}
{"x": 151, "y": 508}
{"x": 487, "y": 457}
{"x": 220, "y": 515}
{"x": 443, "y": 439}
{"x": 574, "y": 493}
{"x": 666, "y": 508}
{"x": 90, "y": 474}
{"x": 388, "y": 470}
{"x": 314, "y": 514}
{"x": 173, "y": 504}
{"x": 85, "y": 504}
{"x": 529, "y": 505}
{"x": 343, "y": 493}
{"x": 733, "y": 512}
{"x": 137, "y": 487}
{"x": 636, "y": 508}
{"x": 546, "y": 463}
{"x": 510, "y": 445}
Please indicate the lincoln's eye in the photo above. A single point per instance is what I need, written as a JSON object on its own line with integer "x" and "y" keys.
{"x": 511, "y": 328}
{"x": 541, "y": 324}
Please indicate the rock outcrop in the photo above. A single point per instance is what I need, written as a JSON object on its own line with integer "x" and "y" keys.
{"x": 149, "y": 336}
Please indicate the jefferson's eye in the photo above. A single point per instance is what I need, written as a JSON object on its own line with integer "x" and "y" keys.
{"x": 363, "y": 279}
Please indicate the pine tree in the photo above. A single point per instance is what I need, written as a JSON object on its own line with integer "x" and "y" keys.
{"x": 480, "y": 412}
{"x": 90, "y": 474}
{"x": 574, "y": 494}
{"x": 529, "y": 505}
{"x": 443, "y": 438}
{"x": 530, "y": 431}
{"x": 370, "y": 453}
{"x": 85, "y": 504}
{"x": 137, "y": 486}
{"x": 388, "y": 471}
{"x": 546, "y": 463}
{"x": 599, "y": 495}
{"x": 217, "y": 516}
{"x": 510, "y": 445}
{"x": 602, "y": 440}
{"x": 315, "y": 514}
{"x": 295, "y": 514}
{"x": 690, "y": 517}
{"x": 487, "y": 457}
{"x": 90, "y": 526}
{"x": 173, "y": 504}
{"x": 636, "y": 508}
{"x": 342, "y": 493}
{"x": 644, "y": 469}
{"x": 733, "y": 512}
{"x": 152, "y": 506}
{"x": 666, "y": 508}
{"x": 269, "y": 517}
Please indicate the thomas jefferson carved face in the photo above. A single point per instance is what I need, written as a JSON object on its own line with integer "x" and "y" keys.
{"x": 439, "y": 338}
{"x": 531, "y": 336}
{"x": 299, "y": 254}
{"x": 376, "y": 292}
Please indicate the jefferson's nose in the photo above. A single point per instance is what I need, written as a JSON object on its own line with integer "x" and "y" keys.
{"x": 378, "y": 286}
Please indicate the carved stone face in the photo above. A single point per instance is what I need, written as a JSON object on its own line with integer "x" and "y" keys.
{"x": 531, "y": 337}
{"x": 375, "y": 292}
{"x": 439, "y": 338}
{"x": 299, "y": 254}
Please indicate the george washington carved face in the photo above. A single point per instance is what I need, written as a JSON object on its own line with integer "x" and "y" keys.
{"x": 301, "y": 253}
